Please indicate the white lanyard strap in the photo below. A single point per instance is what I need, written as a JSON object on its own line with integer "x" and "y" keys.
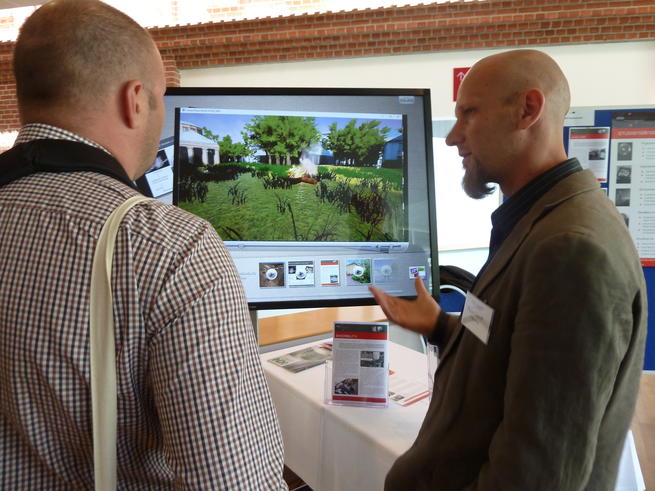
{"x": 103, "y": 356}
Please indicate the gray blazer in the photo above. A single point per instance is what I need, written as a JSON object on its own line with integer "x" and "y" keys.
{"x": 547, "y": 402}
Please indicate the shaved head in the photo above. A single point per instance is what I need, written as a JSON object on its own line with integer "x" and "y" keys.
{"x": 510, "y": 113}
{"x": 72, "y": 53}
{"x": 513, "y": 72}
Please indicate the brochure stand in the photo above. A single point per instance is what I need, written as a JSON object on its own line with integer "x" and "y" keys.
{"x": 358, "y": 374}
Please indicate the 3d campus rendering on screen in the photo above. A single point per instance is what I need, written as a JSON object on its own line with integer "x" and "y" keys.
{"x": 261, "y": 176}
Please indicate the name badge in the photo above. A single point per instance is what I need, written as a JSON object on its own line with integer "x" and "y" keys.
{"x": 477, "y": 316}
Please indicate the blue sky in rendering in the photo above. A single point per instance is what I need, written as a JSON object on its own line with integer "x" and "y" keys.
{"x": 232, "y": 124}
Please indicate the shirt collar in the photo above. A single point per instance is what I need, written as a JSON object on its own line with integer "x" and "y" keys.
{"x": 40, "y": 131}
{"x": 514, "y": 208}
{"x": 58, "y": 155}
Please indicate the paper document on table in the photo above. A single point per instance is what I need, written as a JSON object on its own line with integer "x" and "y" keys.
{"x": 297, "y": 361}
{"x": 360, "y": 364}
{"x": 406, "y": 392}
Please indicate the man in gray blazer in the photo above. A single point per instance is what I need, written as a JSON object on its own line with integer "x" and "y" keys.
{"x": 538, "y": 379}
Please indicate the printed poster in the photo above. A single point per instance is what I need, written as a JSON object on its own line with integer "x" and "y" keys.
{"x": 632, "y": 177}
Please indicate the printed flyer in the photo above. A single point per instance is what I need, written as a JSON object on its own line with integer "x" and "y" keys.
{"x": 590, "y": 145}
{"x": 360, "y": 364}
{"x": 303, "y": 359}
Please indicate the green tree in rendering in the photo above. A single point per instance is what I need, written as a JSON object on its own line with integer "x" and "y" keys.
{"x": 281, "y": 138}
{"x": 354, "y": 145}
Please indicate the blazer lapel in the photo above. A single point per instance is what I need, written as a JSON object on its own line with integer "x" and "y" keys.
{"x": 580, "y": 182}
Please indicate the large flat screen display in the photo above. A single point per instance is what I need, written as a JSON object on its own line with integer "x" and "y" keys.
{"x": 317, "y": 193}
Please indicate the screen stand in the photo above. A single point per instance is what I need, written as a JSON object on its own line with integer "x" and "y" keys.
{"x": 255, "y": 323}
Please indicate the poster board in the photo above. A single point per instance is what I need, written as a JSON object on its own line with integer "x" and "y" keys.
{"x": 618, "y": 145}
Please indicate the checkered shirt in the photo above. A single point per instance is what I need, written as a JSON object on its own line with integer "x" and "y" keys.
{"x": 194, "y": 409}
{"x": 37, "y": 131}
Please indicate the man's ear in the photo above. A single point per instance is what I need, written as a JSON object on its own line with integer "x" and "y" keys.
{"x": 133, "y": 97}
{"x": 532, "y": 104}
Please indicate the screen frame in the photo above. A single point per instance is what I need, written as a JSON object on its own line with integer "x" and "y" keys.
{"x": 328, "y": 91}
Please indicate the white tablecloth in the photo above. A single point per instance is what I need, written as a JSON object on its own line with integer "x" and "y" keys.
{"x": 340, "y": 448}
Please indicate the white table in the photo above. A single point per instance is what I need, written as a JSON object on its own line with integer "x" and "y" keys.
{"x": 340, "y": 448}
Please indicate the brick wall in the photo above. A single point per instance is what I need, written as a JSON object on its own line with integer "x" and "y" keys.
{"x": 455, "y": 25}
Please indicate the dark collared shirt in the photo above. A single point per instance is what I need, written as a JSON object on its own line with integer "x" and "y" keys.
{"x": 514, "y": 208}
